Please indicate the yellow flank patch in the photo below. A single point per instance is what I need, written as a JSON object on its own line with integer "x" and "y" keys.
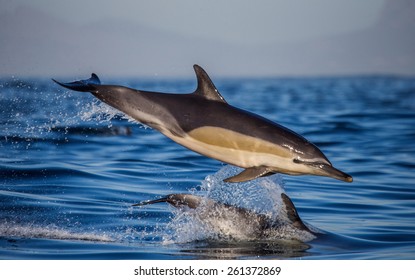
{"x": 225, "y": 138}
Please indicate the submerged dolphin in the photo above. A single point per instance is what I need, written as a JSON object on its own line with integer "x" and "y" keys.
{"x": 204, "y": 122}
{"x": 236, "y": 222}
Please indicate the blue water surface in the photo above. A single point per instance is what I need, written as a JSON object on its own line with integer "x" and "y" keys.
{"x": 71, "y": 167}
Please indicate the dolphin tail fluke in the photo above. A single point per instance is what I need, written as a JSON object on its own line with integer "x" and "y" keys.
{"x": 89, "y": 85}
{"x": 292, "y": 213}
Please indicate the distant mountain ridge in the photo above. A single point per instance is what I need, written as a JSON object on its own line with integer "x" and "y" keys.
{"x": 38, "y": 44}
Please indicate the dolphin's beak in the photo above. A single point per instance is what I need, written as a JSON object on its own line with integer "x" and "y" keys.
{"x": 330, "y": 171}
{"x": 326, "y": 169}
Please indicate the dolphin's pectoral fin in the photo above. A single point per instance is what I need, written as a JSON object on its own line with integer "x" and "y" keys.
{"x": 82, "y": 85}
{"x": 205, "y": 86}
{"x": 292, "y": 213}
{"x": 249, "y": 174}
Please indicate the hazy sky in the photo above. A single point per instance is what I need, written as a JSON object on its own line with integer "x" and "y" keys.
{"x": 240, "y": 21}
{"x": 229, "y": 37}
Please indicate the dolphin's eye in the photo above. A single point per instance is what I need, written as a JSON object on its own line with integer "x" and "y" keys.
{"x": 296, "y": 160}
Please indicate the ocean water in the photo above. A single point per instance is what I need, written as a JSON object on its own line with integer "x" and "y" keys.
{"x": 71, "y": 167}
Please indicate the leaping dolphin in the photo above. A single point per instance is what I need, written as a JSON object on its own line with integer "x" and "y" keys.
{"x": 234, "y": 221}
{"x": 204, "y": 122}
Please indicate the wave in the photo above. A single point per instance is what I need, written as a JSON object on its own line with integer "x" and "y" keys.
{"x": 8, "y": 230}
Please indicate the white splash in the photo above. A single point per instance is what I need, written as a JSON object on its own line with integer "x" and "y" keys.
{"x": 209, "y": 222}
{"x": 102, "y": 113}
{"x": 98, "y": 111}
{"x": 262, "y": 195}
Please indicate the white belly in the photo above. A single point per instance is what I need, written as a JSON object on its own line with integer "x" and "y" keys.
{"x": 237, "y": 149}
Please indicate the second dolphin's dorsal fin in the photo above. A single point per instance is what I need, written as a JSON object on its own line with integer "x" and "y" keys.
{"x": 205, "y": 86}
{"x": 292, "y": 213}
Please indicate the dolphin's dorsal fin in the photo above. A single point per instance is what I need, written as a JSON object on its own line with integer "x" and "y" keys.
{"x": 205, "y": 86}
{"x": 292, "y": 213}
